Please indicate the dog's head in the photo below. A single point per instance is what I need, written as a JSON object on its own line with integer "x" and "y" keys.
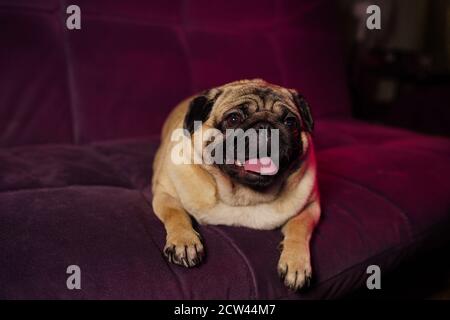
{"x": 262, "y": 130}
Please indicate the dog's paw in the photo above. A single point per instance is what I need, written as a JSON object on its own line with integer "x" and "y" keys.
{"x": 294, "y": 268}
{"x": 185, "y": 249}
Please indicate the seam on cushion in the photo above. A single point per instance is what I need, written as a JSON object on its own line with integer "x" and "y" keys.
{"x": 344, "y": 145}
{"x": 230, "y": 241}
{"x": 357, "y": 143}
{"x": 349, "y": 214}
{"x": 169, "y": 265}
{"x": 272, "y": 39}
{"x": 422, "y": 138}
{"x": 278, "y": 59}
{"x": 70, "y": 78}
{"x": 430, "y": 151}
{"x": 65, "y": 187}
{"x": 321, "y": 235}
{"x": 104, "y": 158}
{"x": 151, "y": 138}
{"x": 389, "y": 143}
{"x": 182, "y": 37}
{"x": 399, "y": 247}
{"x": 93, "y": 151}
{"x": 379, "y": 194}
{"x": 28, "y": 9}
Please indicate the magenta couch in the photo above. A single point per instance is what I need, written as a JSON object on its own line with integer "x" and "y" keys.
{"x": 80, "y": 115}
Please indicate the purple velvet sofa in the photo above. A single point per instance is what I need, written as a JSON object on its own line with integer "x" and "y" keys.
{"x": 80, "y": 115}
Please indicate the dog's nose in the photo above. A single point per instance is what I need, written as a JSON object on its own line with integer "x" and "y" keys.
{"x": 263, "y": 125}
{"x": 263, "y": 129}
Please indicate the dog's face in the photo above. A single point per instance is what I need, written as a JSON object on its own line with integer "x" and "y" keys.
{"x": 278, "y": 118}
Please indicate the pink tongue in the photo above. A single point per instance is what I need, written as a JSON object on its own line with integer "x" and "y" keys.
{"x": 264, "y": 166}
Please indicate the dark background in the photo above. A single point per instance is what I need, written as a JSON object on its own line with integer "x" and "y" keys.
{"x": 400, "y": 75}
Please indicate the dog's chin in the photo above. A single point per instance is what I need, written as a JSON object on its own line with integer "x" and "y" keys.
{"x": 252, "y": 180}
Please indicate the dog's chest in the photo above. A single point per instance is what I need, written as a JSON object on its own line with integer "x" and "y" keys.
{"x": 267, "y": 215}
{"x": 264, "y": 216}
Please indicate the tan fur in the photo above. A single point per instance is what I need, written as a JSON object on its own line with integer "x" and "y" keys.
{"x": 207, "y": 194}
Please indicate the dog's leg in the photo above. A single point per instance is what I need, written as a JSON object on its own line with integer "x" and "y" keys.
{"x": 294, "y": 266}
{"x": 183, "y": 244}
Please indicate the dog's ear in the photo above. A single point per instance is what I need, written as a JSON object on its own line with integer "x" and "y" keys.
{"x": 199, "y": 109}
{"x": 305, "y": 111}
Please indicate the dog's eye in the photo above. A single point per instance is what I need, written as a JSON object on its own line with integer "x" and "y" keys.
{"x": 290, "y": 122}
{"x": 233, "y": 119}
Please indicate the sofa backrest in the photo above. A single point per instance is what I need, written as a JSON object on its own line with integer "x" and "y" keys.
{"x": 133, "y": 61}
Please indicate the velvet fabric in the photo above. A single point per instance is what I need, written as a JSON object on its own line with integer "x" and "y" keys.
{"x": 132, "y": 61}
{"x": 80, "y": 113}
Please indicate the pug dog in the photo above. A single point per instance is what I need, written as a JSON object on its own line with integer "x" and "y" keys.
{"x": 258, "y": 192}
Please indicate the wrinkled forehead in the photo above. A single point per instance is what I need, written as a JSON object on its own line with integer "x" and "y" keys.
{"x": 255, "y": 98}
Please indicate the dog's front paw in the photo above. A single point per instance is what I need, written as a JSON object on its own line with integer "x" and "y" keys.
{"x": 294, "y": 268}
{"x": 184, "y": 248}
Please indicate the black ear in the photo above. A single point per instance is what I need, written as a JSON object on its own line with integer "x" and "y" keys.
{"x": 199, "y": 109}
{"x": 305, "y": 112}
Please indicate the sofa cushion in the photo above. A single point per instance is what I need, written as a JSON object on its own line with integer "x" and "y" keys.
{"x": 34, "y": 94}
{"x": 118, "y": 164}
{"x": 90, "y": 206}
{"x": 132, "y": 61}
